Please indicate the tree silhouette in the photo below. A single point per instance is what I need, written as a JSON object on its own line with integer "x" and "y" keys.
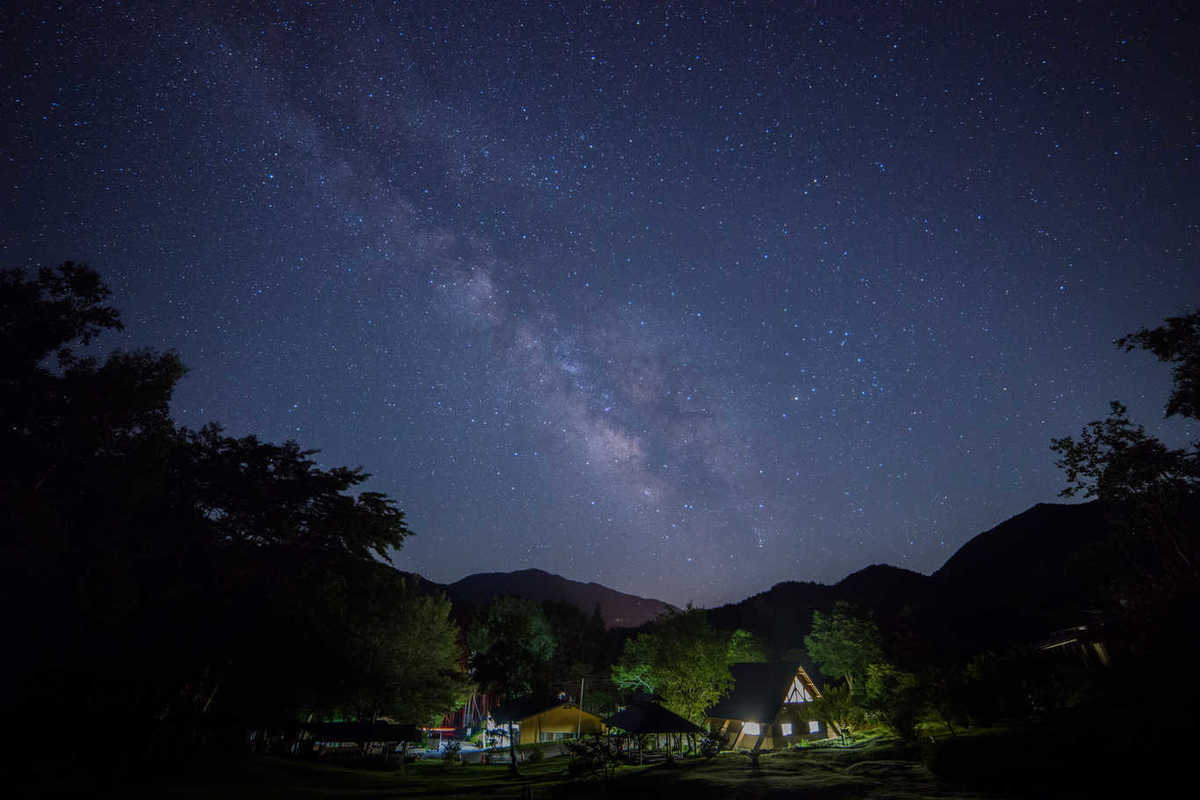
{"x": 1150, "y": 489}
{"x": 172, "y": 577}
{"x": 511, "y": 645}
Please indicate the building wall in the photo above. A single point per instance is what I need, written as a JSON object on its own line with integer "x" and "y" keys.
{"x": 774, "y": 739}
{"x": 559, "y": 720}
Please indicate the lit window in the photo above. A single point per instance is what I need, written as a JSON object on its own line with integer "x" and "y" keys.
{"x": 786, "y": 728}
{"x": 750, "y": 728}
{"x": 814, "y": 726}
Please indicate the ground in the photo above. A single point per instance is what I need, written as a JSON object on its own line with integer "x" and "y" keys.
{"x": 882, "y": 769}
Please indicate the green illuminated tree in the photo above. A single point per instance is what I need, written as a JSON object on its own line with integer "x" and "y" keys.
{"x": 836, "y": 708}
{"x": 682, "y": 660}
{"x": 844, "y": 644}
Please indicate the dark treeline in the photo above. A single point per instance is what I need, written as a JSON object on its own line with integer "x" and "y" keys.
{"x": 170, "y": 589}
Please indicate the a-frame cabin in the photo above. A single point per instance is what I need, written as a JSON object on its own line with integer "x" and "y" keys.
{"x": 769, "y": 700}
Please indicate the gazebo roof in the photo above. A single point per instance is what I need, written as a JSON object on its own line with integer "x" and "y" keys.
{"x": 650, "y": 718}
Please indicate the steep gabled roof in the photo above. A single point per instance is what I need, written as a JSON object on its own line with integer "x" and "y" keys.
{"x": 650, "y": 718}
{"x": 758, "y": 691}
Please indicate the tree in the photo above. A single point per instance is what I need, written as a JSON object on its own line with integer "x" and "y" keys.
{"x": 511, "y": 645}
{"x": 745, "y": 647}
{"x": 406, "y": 653}
{"x": 682, "y": 660}
{"x": 1151, "y": 489}
{"x": 895, "y": 698}
{"x": 171, "y": 573}
{"x": 836, "y": 707}
{"x": 844, "y": 644}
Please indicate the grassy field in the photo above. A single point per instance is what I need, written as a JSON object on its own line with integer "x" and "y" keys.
{"x": 880, "y": 769}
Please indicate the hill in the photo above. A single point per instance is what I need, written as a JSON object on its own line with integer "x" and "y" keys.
{"x": 619, "y": 610}
{"x": 1032, "y": 574}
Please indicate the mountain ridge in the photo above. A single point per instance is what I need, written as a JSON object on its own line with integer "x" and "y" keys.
{"x": 1010, "y": 583}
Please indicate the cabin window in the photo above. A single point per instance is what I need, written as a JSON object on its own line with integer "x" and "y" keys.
{"x": 814, "y": 726}
{"x": 798, "y": 693}
{"x": 751, "y": 728}
{"x": 786, "y": 728}
{"x": 554, "y": 736}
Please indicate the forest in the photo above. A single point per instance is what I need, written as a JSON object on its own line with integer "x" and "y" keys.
{"x": 181, "y": 596}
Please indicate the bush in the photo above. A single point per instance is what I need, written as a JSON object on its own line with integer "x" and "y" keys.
{"x": 595, "y": 755}
{"x": 712, "y": 744}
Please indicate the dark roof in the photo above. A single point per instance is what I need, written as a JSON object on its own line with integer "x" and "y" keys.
{"x": 758, "y": 691}
{"x": 528, "y": 706}
{"x": 650, "y": 718}
{"x": 362, "y": 732}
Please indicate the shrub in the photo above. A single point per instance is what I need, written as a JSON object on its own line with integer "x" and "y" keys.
{"x": 594, "y": 755}
{"x": 712, "y": 744}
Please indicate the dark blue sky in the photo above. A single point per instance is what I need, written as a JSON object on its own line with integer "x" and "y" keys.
{"x": 687, "y": 299}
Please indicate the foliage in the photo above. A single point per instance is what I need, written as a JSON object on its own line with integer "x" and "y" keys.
{"x": 1177, "y": 343}
{"x": 1151, "y": 489}
{"x": 682, "y": 660}
{"x": 895, "y": 698}
{"x": 182, "y": 576}
{"x": 510, "y": 644}
{"x": 844, "y": 644}
{"x": 745, "y": 647}
{"x": 404, "y": 655}
{"x": 594, "y": 755}
{"x": 836, "y": 707}
{"x": 583, "y": 651}
{"x": 713, "y": 743}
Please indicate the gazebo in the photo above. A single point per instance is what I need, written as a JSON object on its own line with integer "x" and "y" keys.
{"x": 643, "y": 718}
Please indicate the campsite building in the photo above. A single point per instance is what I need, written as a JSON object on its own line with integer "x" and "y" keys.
{"x": 547, "y": 721}
{"x": 770, "y": 701}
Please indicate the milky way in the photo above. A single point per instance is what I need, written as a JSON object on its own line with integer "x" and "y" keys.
{"x": 687, "y": 299}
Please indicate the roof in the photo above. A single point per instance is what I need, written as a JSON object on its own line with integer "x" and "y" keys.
{"x": 650, "y": 718}
{"x": 758, "y": 691}
{"x": 530, "y": 706}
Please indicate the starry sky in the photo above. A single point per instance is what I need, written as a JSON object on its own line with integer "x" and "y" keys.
{"x": 685, "y": 298}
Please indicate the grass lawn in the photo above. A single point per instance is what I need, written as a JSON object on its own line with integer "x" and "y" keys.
{"x": 879, "y": 769}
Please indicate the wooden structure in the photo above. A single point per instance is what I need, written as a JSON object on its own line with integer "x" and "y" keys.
{"x": 547, "y": 721}
{"x": 646, "y": 718}
{"x": 768, "y": 707}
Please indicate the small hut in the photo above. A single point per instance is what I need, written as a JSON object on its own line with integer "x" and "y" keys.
{"x": 645, "y": 718}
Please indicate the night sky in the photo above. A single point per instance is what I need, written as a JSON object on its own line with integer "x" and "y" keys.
{"x": 687, "y": 299}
